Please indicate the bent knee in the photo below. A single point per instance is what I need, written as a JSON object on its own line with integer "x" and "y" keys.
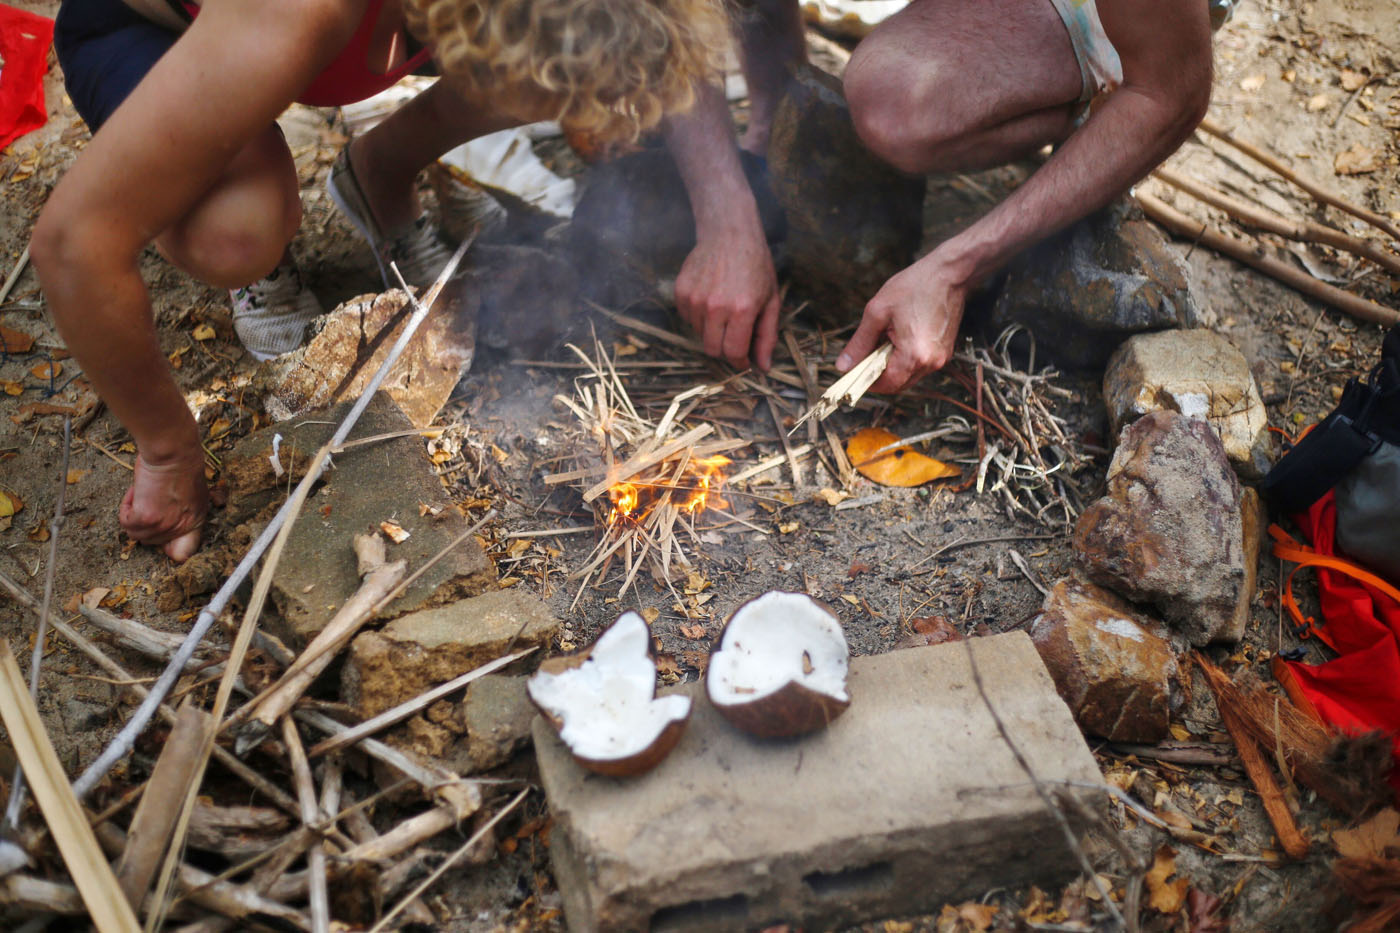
{"x": 895, "y": 114}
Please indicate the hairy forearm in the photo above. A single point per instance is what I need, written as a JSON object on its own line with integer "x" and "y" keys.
{"x": 702, "y": 143}
{"x": 1128, "y": 136}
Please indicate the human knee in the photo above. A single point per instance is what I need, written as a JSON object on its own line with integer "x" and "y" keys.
{"x": 894, "y": 114}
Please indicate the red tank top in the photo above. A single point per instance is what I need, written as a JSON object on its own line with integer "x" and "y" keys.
{"x": 348, "y": 77}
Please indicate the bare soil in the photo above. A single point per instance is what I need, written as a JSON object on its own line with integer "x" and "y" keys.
{"x": 1279, "y": 74}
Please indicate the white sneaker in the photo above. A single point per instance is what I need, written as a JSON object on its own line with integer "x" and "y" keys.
{"x": 417, "y": 249}
{"x": 271, "y": 315}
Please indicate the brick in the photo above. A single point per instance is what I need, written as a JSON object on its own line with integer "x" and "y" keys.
{"x": 908, "y": 801}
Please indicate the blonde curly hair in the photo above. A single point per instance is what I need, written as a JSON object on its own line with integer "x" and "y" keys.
{"x": 609, "y": 69}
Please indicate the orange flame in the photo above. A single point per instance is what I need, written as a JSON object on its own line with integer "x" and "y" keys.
{"x": 697, "y": 488}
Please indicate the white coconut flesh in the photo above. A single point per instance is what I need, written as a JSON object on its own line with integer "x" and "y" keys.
{"x": 774, "y": 640}
{"x": 608, "y": 704}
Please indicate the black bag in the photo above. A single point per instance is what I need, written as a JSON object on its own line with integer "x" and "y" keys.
{"x": 1356, "y": 450}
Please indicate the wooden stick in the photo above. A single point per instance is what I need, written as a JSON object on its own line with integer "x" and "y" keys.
{"x": 106, "y": 904}
{"x": 155, "y": 818}
{"x": 14, "y": 275}
{"x": 766, "y": 464}
{"x": 1256, "y": 766}
{"x": 125, "y": 740}
{"x": 1318, "y": 192}
{"x": 409, "y": 707}
{"x": 634, "y": 465}
{"x": 404, "y": 836}
{"x": 310, "y": 814}
{"x": 378, "y": 579}
{"x": 851, "y": 387}
{"x": 29, "y": 893}
{"x": 1252, "y": 254}
{"x": 1305, "y": 231}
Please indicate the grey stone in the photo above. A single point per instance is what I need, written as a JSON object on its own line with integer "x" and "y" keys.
{"x": 369, "y": 484}
{"x": 419, "y": 651}
{"x": 1175, "y": 529}
{"x": 351, "y": 342}
{"x": 1083, "y": 291}
{"x": 853, "y": 221}
{"x": 496, "y": 713}
{"x": 1109, "y": 662}
{"x": 529, "y": 299}
{"x": 908, "y": 801}
{"x": 1199, "y": 374}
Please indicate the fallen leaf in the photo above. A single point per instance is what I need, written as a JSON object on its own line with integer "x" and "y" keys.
{"x": 75, "y": 475}
{"x": 694, "y": 632}
{"x": 40, "y": 532}
{"x": 395, "y": 532}
{"x": 651, "y": 614}
{"x": 114, "y": 597}
{"x": 93, "y": 597}
{"x": 1180, "y": 732}
{"x": 1252, "y": 83}
{"x": 1370, "y": 839}
{"x": 1353, "y": 80}
{"x": 1165, "y": 896}
{"x": 1318, "y": 102}
{"x": 932, "y": 630}
{"x": 203, "y": 332}
{"x": 15, "y": 341}
{"x": 787, "y": 528}
{"x": 1358, "y": 160}
{"x": 12, "y": 387}
{"x": 831, "y": 496}
{"x": 1203, "y": 911}
{"x": 9, "y": 504}
{"x": 978, "y": 916}
{"x": 46, "y": 370}
{"x": 851, "y": 599}
{"x": 903, "y": 466}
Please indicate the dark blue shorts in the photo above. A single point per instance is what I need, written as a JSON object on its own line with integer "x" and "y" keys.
{"x": 105, "y": 48}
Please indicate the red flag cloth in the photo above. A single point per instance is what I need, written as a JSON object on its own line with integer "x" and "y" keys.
{"x": 24, "y": 47}
{"x": 1360, "y": 689}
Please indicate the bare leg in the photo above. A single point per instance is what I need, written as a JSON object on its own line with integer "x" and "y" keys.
{"x": 239, "y": 230}
{"x": 945, "y": 85}
{"x": 772, "y": 43}
{"x": 389, "y": 157}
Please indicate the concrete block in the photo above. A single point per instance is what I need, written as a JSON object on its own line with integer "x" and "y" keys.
{"x": 909, "y": 800}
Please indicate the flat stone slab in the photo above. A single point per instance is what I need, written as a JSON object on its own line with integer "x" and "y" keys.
{"x": 908, "y": 801}
{"x": 370, "y": 484}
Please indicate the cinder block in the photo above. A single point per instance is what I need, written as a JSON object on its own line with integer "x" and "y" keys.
{"x": 909, "y": 800}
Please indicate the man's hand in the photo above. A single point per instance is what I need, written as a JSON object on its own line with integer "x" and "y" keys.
{"x": 728, "y": 293}
{"x": 166, "y": 504}
{"x": 918, "y": 310}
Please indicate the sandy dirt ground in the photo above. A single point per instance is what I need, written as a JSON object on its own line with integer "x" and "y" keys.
{"x": 1282, "y": 75}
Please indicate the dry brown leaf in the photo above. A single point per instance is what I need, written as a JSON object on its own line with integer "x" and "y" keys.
{"x": 1358, "y": 160}
{"x": 903, "y": 466}
{"x": 15, "y": 341}
{"x": 12, "y": 388}
{"x": 831, "y": 496}
{"x": 978, "y": 916}
{"x": 787, "y": 528}
{"x": 40, "y": 532}
{"x": 1165, "y": 896}
{"x": 46, "y": 370}
{"x": 9, "y": 504}
{"x": 76, "y": 475}
{"x": 203, "y": 332}
{"x": 396, "y": 532}
{"x": 1370, "y": 839}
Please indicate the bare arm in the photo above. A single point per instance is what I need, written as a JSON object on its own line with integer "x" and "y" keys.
{"x": 220, "y": 85}
{"x": 726, "y": 289}
{"x": 1165, "y": 91}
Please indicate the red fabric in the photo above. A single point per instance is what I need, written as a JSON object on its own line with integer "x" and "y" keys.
{"x": 1360, "y": 690}
{"x": 24, "y": 45}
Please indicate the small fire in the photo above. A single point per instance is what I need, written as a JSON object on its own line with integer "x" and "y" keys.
{"x": 697, "y": 488}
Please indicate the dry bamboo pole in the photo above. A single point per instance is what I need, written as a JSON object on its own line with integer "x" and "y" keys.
{"x": 1304, "y": 231}
{"x": 1251, "y": 254}
{"x": 93, "y": 877}
{"x": 851, "y": 387}
{"x": 121, "y": 746}
{"x": 154, "y": 819}
{"x": 310, "y": 814}
{"x": 1318, "y": 192}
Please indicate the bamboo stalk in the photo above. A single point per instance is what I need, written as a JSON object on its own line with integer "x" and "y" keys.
{"x": 1304, "y": 231}
{"x": 1251, "y": 254}
{"x": 76, "y": 842}
{"x": 851, "y": 387}
{"x": 634, "y": 465}
{"x": 1318, "y": 192}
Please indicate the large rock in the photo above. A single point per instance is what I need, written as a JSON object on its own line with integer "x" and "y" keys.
{"x": 495, "y": 716}
{"x": 1199, "y": 374}
{"x": 1107, "y": 660}
{"x": 421, "y": 650}
{"x": 529, "y": 299}
{"x": 351, "y": 342}
{"x": 633, "y": 227}
{"x": 369, "y": 484}
{"x": 853, "y": 221}
{"x": 1175, "y": 529}
{"x": 1087, "y": 288}
{"x": 910, "y": 800}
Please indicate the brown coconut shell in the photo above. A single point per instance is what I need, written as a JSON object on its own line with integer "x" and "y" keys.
{"x": 792, "y": 710}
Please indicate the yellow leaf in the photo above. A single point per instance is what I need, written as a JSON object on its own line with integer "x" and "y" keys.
{"x": 12, "y": 387}
{"x": 831, "y": 496}
{"x": 75, "y": 475}
{"x": 47, "y": 370}
{"x": 1180, "y": 732}
{"x": 1372, "y": 838}
{"x": 203, "y": 332}
{"x": 1165, "y": 896}
{"x": 9, "y": 504}
{"x": 850, "y": 599}
{"x": 651, "y": 614}
{"x": 902, "y": 466}
{"x": 787, "y": 528}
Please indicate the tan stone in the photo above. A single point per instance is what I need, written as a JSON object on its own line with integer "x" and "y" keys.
{"x": 1199, "y": 374}
{"x": 352, "y": 342}
{"x": 1108, "y": 661}
{"x": 420, "y": 650}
